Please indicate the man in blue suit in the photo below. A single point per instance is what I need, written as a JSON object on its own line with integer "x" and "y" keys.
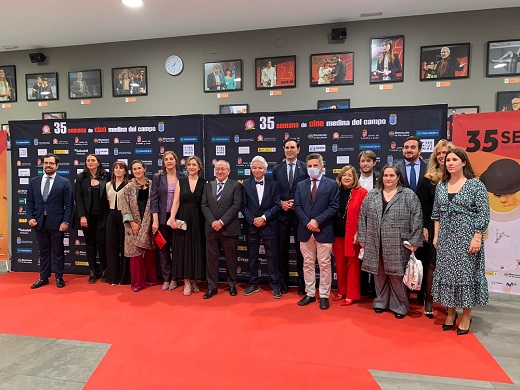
{"x": 50, "y": 202}
{"x": 260, "y": 206}
{"x": 315, "y": 204}
{"x": 288, "y": 174}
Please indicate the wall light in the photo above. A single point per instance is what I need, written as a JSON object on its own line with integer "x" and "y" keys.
{"x": 133, "y": 3}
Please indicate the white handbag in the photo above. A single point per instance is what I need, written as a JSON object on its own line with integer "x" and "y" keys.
{"x": 413, "y": 274}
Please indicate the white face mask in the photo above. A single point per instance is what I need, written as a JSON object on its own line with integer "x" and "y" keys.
{"x": 314, "y": 173}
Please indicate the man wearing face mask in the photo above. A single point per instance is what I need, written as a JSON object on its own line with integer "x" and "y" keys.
{"x": 315, "y": 204}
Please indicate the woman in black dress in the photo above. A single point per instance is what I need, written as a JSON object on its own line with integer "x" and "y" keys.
{"x": 188, "y": 245}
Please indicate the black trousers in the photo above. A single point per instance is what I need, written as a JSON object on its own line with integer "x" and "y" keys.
{"x": 284, "y": 236}
{"x": 214, "y": 241}
{"x": 95, "y": 239}
{"x": 118, "y": 266}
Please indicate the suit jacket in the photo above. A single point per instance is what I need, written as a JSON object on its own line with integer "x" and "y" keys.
{"x": 394, "y": 67}
{"x": 323, "y": 209}
{"x": 340, "y": 72}
{"x": 226, "y": 210}
{"x": 159, "y": 195}
{"x": 82, "y": 195}
{"x": 59, "y": 205}
{"x": 402, "y": 220}
{"x": 270, "y": 205}
{"x": 452, "y": 66}
{"x": 212, "y": 81}
{"x": 280, "y": 176}
{"x": 422, "y": 172}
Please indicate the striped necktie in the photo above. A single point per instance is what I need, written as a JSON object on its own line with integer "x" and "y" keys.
{"x": 219, "y": 191}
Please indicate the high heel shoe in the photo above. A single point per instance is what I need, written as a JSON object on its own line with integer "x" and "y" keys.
{"x": 187, "y": 289}
{"x": 165, "y": 286}
{"x": 446, "y": 327}
{"x": 173, "y": 285}
{"x": 461, "y": 332}
{"x": 338, "y": 297}
{"x": 428, "y": 309}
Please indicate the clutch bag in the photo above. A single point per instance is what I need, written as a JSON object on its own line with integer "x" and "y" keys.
{"x": 159, "y": 240}
{"x": 181, "y": 224}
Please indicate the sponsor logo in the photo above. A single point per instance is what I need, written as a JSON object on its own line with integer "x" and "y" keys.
{"x": 166, "y": 139}
{"x": 342, "y": 159}
{"x": 428, "y": 145}
{"x": 143, "y": 151}
{"x": 24, "y": 250}
{"x": 189, "y": 139}
{"x": 317, "y": 148}
{"x": 317, "y": 136}
{"x": 220, "y": 139}
{"x": 101, "y": 151}
{"x": 267, "y": 150}
{"x": 46, "y": 129}
{"x": 392, "y": 119}
{"x": 244, "y": 150}
{"x": 61, "y": 151}
{"x": 427, "y": 133}
{"x": 249, "y": 125}
{"x": 64, "y": 172}
{"x": 369, "y": 146}
{"x": 24, "y": 172}
{"x": 22, "y": 142}
{"x": 22, "y": 220}
{"x": 220, "y": 150}
{"x": 24, "y": 180}
{"x": 24, "y": 261}
{"x": 21, "y": 201}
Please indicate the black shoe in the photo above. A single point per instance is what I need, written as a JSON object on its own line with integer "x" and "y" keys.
{"x": 324, "y": 303}
{"x": 284, "y": 289}
{"x": 209, "y": 294}
{"x": 306, "y": 301}
{"x": 446, "y": 327}
{"x": 461, "y": 332}
{"x": 60, "y": 283}
{"x": 399, "y": 316}
{"x": 428, "y": 309}
{"x": 92, "y": 277}
{"x": 378, "y": 310}
{"x": 104, "y": 276}
{"x": 40, "y": 282}
{"x": 250, "y": 290}
{"x": 277, "y": 294}
{"x": 233, "y": 291}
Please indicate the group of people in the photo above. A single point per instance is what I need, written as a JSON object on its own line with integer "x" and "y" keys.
{"x": 332, "y": 71}
{"x": 41, "y": 89}
{"x": 217, "y": 81}
{"x": 362, "y": 219}
{"x": 129, "y": 83}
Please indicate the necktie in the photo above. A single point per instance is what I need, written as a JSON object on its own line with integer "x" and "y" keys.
{"x": 261, "y": 183}
{"x": 291, "y": 174}
{"x": 219, "y": 191}
{"x": 46, "y": 189}
{"x": 314, "y": 189}
{"x": 413, "y": 177}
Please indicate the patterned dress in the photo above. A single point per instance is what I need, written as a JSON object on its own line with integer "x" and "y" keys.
{"x": 459, "y": 279}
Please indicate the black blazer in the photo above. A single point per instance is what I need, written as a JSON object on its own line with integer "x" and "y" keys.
{"x": 280, "y": 176}
{"x": 83, "y": 198}
{"x": 226, "y": 210}
{"x": 269, "y": 206}
{"x": 159, "y": 195}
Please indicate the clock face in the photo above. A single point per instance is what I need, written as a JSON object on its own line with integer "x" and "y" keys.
{"x": 174, "y": 65}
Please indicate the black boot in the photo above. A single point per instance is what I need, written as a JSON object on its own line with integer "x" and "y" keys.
{"x": 92, "y": 277}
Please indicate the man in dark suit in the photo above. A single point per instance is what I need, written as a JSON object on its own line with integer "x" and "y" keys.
{"x": 50, "y": 202}
{"x": 340, "y": 70}
{"x": 221, "y": 201}
{"x": 215, "y": 79}
{"x": 260, "y": 206}
{"x": 288, "y": 174}
{"x": 315, "y": 203}
{"x": 411, "y": 150}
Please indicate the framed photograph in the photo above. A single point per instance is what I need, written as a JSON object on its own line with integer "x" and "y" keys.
{"x": 234, "y": 108}
{"x": 275, "y": 72}
{"x": 387, "y": 59}
{"x": 444, "y": 62}
{"x": 41, "y": 86}
{"x": 8, "y": 83}
{"x": 223, "y": 76}
{"x": 130, "y": 81}
{"x": 5, "y": 127}
{"x": 85, "y": 84}
{"x": 503, "y": 58}
{"x": 454, "y": 111}
{"x": 508, "y": 101}
{"x": 333, "y": 104}
{"x": 332, "y": 68}
{"x": 54, "y": 115}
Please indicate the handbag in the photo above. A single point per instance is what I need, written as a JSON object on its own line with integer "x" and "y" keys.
{"x": 158, "y": 239}
{"x": 413, "y": 273}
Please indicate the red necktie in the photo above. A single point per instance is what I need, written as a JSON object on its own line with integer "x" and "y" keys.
{"x": 314, "y": 189}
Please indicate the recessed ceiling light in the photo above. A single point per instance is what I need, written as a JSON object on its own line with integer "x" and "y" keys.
{"x": 10, "y": 47}
{"x": 133, "y": 3}
{"x": 371, "y": 14}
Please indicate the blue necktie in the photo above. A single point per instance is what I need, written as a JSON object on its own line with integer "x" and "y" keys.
{"x": 413, "y": 177}
{"x": 291, "y": 174}
{"x": 261, "y": 182}
{"x": 46, "y": 189}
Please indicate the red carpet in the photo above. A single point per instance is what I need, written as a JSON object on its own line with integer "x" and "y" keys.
{"x": 163, "y": 338}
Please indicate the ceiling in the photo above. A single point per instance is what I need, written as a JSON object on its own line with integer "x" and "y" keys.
{"x": 31, "y": 24}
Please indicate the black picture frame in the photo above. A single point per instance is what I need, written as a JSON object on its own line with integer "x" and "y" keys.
{"x": 504, "y": 101}
{"x": 280, "y": 74}
{"x": 395, "y": 67}
{"x": 503, "y": 58}
{"x": 458, "y": 110}
{"x": 130, "y": 81}
{"x": 233, "y": 108}
{"x": 457, "y": 56}
{"x": 8, "y": 91}
{"x": 325, "y": 67}
{"x": 333, "y": 104}
{"x": 229, "y": 83}
{"x": 88, "y": 87}
{"x": 5, "y": 127}
{"x": 41, "y": 87}
{"x": 54, "y": 115}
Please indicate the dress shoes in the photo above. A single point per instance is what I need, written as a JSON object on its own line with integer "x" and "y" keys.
{"x": 233, "y": 291}
{"x": 306, "y": 300}
{"x": 209, "y": 294}
{"x": 92, "y": 277}
{"x": 104, "y": 276}
{"x": 277, "y": 293}
{"x": 40, "y": 283}
{"x": 462, "y": 332}
{"x": 378, "y": 310}
{"x": 324, "y": 303}
{"x": 251, "y": 290}
{"x": 284, "y": 289}
{"x": 446, "y": 327}
{"x": 399, "y": 316}
{"x": 428, "y": 309}
{"x": 347, "y": 302}
{"x": 60, "y": 283}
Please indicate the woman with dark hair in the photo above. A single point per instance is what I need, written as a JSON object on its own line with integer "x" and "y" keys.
{"x": 118, "y": 271}
{"x": 461, "y": 217}
{"x": 390, "y": 215}
{"x": 388, "y": 64}
{"x": 188, "y": 249}
{"x": 229, "y": 79}
{"x": 91, "y": 214}
{"x": 137, "y": 219}
{"x": 346, "y": 248}
{"x": 161, "y": 200}
{"x": 426, "y": 194}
